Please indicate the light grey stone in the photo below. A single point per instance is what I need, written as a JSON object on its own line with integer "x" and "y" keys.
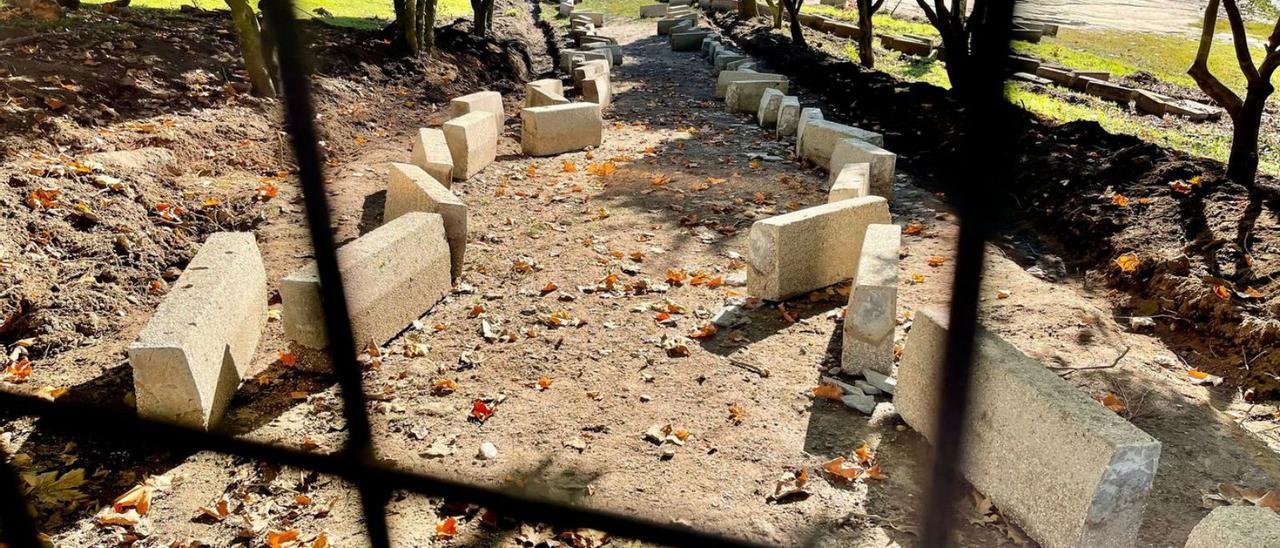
{"x": 431, "y": 153}
{"x": 472, "y": 141}
{"x": 788, "y": 116}
{"x": 872, "y": 308}
{"x": 767, "y": 111}
{"x": 853, "y": 181}
{"x": 818, "y": 142}
{"x": 482, "y": 101}
{"x": 809, "y": 249}
{"x": 1237, "y": 527}
{"x": 410, "y": 189}
{"x": 858, "y": 151}
{"x": 744, "y": 95}
{"x": 730, "y": 76}
{"x": 556, "y": 129}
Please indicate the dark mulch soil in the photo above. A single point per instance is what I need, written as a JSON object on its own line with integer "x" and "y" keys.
{"x": 1217, "y": 233}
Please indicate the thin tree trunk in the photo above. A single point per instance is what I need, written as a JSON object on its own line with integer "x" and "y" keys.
{"x": 246, "y": 22}
{"x": 793, "y": 12}
{"x": 483, "y": 10}
{"x": 428, "y": 35}
{"x": 1242, "y": 166}
{"x": 747, "y": 8}
{"x": 866, "y": 39}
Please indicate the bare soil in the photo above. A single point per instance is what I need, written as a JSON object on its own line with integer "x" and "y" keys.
{"x": 674, "y": 188}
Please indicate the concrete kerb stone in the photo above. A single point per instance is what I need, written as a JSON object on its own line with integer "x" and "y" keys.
{"x": 1237, "y": 527}
{"x": 739, "y": 64}
{"x": 588, "y": 70}
{"x": 598, "y": 90}
{"x": 707, "y": 43}
{"x": 538, "y": 98}
{"x": 853, "y": 181}
{"x": 725, "y": 58}
{"x": 410, "y": 189}
{"x": 562, "y": 128}
{"x": 567, "y": 58}
{"x": 596, "y": 39}
{"x": 666, "y": 24}
{"x": 596, "y": 17}
{"x": 614, "y": 50}
{"x": 857, "y": 151}
{"x": 809, "y": 114}
{"x": 788, "y": 116}
{"x": 798, "y": 252}
{"x": 653, "y": 11}
{"x": 767, "y": 110}
{"x": 818, "y": 141}
{"x": 483, "y": 101}
{"x": 1110, "y": 91}
{"x": 730, "y": 76}
{"x": 843, "y": 30}
{"x": 1058, "y": 75}
{"x": 431, "y": 154}
{"x": 564, "y": 9}
{"x": 687, "y": 40}
{"x": 744, "y": 95}
{"x": 394, "y": 275}
{"x": 1020, "y": 418}
{"x": 872, "y": 311}
{"x": 473, "y": 143}
{"x": 550, "y": 86}
{"x": 193, "y": 352}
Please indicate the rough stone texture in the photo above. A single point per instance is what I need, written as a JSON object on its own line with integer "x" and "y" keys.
{"x": 818, "y": 141}
{"x": 597, "y": 39}
{"x": 551, "y": 86}
{"x": 597, "y": 18}
{"x": 741, "y": 64}
{"x": 1150, "y": 102}
{"x": 589, "y": 70}
{"x": 567, "y": 56}
{"x": 843, "y": 30}
{"x": 723, "y": 60}
{"x": 536, "y": 97}
{"x": 598, "y": 90}
{"x": 853, "y": 181}
{"x": 1059, "y": 75}
{"x": 1067, "y": 470}
{"x": 689, "y": 40}
{"x": 392, "y": 276}
{"x": 483, "y": 101}
{"x": 1109, "y": 91}
{"x": 744, "y": 95}
{"x": 767, "y": 111}
{"x": 730, "y": 76}
{"x": 873, "y": 303}
{"x": 807, "y": 115}
{"x": 195, "y": 349}
{"x": 1237, "y": 527}
{"x": 788, "y": 116}
{"x": 410, "y": 189}
{"x": 555, "y": 129}
{"x": 473, "y": 143}
{"x": 1029, "y": 77}
{"x": 857, "y": 151}
{"x": 655, "y": 10}
{"x": 812, "y": 248}
{"x": 1022, "y": 63}
{"x": 909, "y": 46}
{"x": 709, "y": 42}
{"x": 614, "y": 51}
{"x": 431, "y": 153}
{"x": 666, "y": 24}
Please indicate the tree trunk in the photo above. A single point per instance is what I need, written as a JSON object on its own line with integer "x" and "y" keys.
{"x": 483, "y": 10}
{"x": 246, "y": 22}
{"x": 1242, "y": 166}
{"x": 793, "y": 12}
{"x": 427, "y": 29}
{"x": 747, "y": 8}
{"x": 866, "y": 39}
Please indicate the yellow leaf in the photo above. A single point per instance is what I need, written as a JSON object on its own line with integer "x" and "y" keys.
{"x": 1128, "y": 262}
{"x": 829, "y": 391}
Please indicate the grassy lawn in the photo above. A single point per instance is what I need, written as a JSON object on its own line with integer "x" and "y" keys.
{"x": 353, "y": 13}
{"x": 614, "y": 8}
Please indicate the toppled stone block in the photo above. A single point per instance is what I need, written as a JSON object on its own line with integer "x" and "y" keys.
{"x": 872, "y": 311}
{"x": 708, "y": 42}
{"x": 653, "y": 11}
{"x": 431, "y": 153}
{"x": 909, "y": 46}
{"x": 809, "y": 249}
{"x": 818, "y": 141}
{"x": 1237, "y": 527}
{"x": 392, "y": 276}
{"x": 589, "y": 70}
{"x": 770, "y": 103}
{"x": 614, "y": 51}
{"x": 538, "y": 97}
{"x": 568, "y": 56}
{"x": 730, "y": 76}
{"x": 561, "y": 128}
{"x": 1109, "y": 91}
{"x": 473, "y": 143}
{"x": 1150, "y": 102}
{"x": 1029, "y": 77}
{"x": 412, "y": 190}
{"x": 1058, "y": 75}
{"x": 1022, "y": 63}
{"x": 744, "y": 95}
{"x": 724, "y": 58}
{"x": 788, "y": 116}
{"x": 689, "y": 40}
{"x": 853, "y": 181}
{"x": 857, "y": 151}
{"x": 1067, "y": 470}
{"x": 193, "y": 352}
{"x": 843, "y": 30}
{"x": 741, "y": 64}
{"x": 483, "y": 101}
{"x": 597, "y": 39}
{"x": 596, "y": 17}
{"x": 598, "y": 90}
{"x": 666, "y": 24}
{"x": 1083, "y": 77}
{"x": 807, "y": 115}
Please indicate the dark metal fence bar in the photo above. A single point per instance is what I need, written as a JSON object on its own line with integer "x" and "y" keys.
{"x": 983, "y": 169}
{"x": 295, "y": 75}
{"x": 127, "y": 427}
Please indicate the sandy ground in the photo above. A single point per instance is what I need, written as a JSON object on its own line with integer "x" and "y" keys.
{"x": 683, "y": 197}
{"x": 1136, "y": 15}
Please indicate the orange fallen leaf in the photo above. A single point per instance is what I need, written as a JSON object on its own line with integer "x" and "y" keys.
{"x": 1110, "y": 401}
{"x": 876, "y": 473}
{"x": 275, "y": 539}
{"x": 476, "y": 310}
{"x": 737, "y": 413}
{"x": 322, "y": 541}
{"x": 706, "y": 331}
{"x": 288, "y": 359}
{"x": 551, "y": 286}
{"x": 544, "y": 383}
{"x": 1222, "y": 292}
{"x": 843, "y": 469}
{"x": 266, "y": 192}
{"x": 138, "y": 498}
{"x": 481, "y": 411}
{"x": 829, "y": 391}
{"x": 447, "y": 528}
{"x": 442, "y": 387}
{"x": 1120, "y": 200}
{"x": 18, "y": 371}
{"x": 569, "y": 167}
{"x": 936, "y": 261}
{"x": 1128, "y": 262}
{"x": 913, "y": 228}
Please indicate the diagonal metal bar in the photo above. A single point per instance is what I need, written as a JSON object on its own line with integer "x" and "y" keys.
{"x": 126, "y": 427}
{"x": 295, "y": 76}
{"x": 16, "y": 524}
{"x": 985, "y": 168}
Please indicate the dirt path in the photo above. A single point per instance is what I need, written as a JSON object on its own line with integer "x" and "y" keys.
{"x": 682, "y": 198}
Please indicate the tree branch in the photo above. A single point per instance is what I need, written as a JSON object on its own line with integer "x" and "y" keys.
{"x": 929, "y": 13}
{"x": 876, "y": 6}
{"x": 1241, "y": 41}
{"x": 1199, "y": 70}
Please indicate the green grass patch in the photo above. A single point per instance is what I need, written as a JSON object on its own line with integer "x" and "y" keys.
{"x": 346, "y": 13}
{"x": 614, "y": 8}
{"x": 881, "y": 22}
